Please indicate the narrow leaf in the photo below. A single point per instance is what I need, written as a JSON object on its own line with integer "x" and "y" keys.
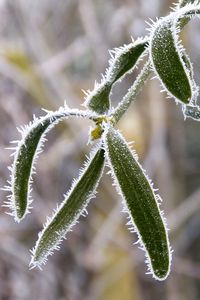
{"x": 168, "y": 63}
{"x": 169, "y": 58}
{"x": 25, "y": 156}
{"x": 123, "y": 60}
{"x": 140, "y": 202}
{"x": 67, "y": 214}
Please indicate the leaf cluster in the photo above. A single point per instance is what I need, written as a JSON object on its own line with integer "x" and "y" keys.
{"x": 168, "y": 60}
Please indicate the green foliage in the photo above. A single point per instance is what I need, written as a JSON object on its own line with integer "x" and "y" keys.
{"x": 125, "y": 60}
{"x": 70, "y": 209}
{"x": 166, "y": 57}
{"x": 168, "y": 62}
{"x": 141, "y": 202}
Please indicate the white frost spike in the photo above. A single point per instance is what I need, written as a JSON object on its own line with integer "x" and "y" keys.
{"x": 140, "y": 202}
{"x": 72, "y": 207}
{"x": 25, "y": 156}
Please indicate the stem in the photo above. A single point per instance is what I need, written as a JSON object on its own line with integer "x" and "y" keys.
{"x": 182, "y": 3}
{"x": 184, "y": 21}
{"x": 81, "y": 113}
{"x": 132, "y": 93}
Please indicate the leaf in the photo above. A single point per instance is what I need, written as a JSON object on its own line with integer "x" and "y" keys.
{"x": 140, "y": 202}
{"x": 169, "y": 58}
{"x": 66, "y": 215}
{"x": 123, "y": 60}
{"x": 25, "y": 156}
{"x": 168, "y": 63}
{"x": 98, "y": 100}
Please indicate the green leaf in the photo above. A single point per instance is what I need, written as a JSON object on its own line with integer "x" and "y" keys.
{"x": 141, "y": 203}
{"x": 168, "y": 62}
{"x": 25, "y": 156}
{"x": 70, "y": 209}
{"x": 98, "y": 100}
{"x": 123, "y": 60}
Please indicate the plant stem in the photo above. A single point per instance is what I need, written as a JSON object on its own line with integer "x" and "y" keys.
{"x": 184, "y": 2}
{"x": 132, "y": 93}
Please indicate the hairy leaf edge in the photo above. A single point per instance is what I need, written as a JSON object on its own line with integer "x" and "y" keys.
{"x": 126, "y": 209}
{"x": 38, "y": 263}
{"x": 175, "y": 16}
{"x": 107, "y": 78}
{"x": 55, "y": 117}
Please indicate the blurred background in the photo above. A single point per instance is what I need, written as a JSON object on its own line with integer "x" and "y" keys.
{"x": 49, "y": 51}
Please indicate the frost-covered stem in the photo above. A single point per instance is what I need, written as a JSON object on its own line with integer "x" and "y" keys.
{"x": 184, "y": 21}
{"x": 73, "y": 112}
{"x": 83, "y": 114}
{"x": 132, "y": 93}
{"x": 182, "y": 3}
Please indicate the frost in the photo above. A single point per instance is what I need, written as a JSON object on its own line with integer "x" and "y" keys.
{"x": 169, "y": 59}
{"x": 74, "y": 205}
{"x": 123, "y": 60}
{"x": 152, "y": 218}
{"x": 25, "y": 154}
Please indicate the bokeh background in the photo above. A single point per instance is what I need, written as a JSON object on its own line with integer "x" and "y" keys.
{"x": 49, "y": 51}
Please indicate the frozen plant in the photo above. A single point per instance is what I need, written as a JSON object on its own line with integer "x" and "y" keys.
{"x": 166, "y": 57}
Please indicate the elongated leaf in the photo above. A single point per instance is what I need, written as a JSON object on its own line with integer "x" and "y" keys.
{"x": 123, "y": 60}
{"x": 141, "y": 202}
{"x": 168, "y": 63}
{"x": 169, "y": 58}
{"x": 25, "y": 156}
{"x": 69, "y": 210}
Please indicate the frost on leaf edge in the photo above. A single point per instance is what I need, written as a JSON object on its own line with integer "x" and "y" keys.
{"x": 55, "y": 117}
{"x": 38, "y": 263}
{"x": 131, "y": 224}
{"x": 175, "y": 16}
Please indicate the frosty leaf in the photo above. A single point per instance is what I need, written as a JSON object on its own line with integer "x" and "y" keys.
{"x": 123, "y": 60}
{"x": 140, "y": 202}
{"x": 25, "y": 156}
{"x": 98, "y": 100}
{"x": 168, "y": 56}
{"x": 192, "y": 112}
{"x": 70, "y": 209}
{"x": 168, "y": 63}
